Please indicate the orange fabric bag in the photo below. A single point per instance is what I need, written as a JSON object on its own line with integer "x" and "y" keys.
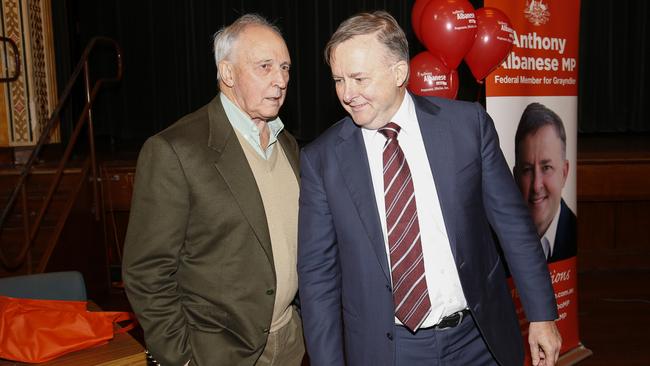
{"x": 41, "y": 330}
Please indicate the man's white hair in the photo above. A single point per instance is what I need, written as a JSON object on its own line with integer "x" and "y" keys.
{"x": 225, "y": 38}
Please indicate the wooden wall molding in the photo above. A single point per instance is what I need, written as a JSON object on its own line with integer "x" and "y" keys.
{"x": 614, "y": 212}
{"x": 607, "y": 179}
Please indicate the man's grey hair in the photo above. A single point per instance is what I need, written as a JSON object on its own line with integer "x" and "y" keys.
{"x": 380, "y": 23}
{"x": 225, "y": 38}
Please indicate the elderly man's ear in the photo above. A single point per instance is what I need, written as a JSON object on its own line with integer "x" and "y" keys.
{"x": 226, "y": 73}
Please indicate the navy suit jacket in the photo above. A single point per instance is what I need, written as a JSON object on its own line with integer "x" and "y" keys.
{"x": 344, "y": 279}
{"x": 565, "y": 237}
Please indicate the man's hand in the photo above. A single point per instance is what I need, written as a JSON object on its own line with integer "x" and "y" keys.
{"x": 545, "y": 342}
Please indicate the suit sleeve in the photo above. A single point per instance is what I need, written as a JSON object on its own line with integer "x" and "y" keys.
{"x": 510, "y": 219}
{"x": 155, "y": 236}
{"x": 319, "y": 275}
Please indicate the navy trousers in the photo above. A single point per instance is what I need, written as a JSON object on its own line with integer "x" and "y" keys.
{"x": 461, "y": 345}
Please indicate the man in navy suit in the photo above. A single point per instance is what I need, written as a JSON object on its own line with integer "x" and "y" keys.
{"x": 430, "y": 170}
{"x": 541, "y": 169}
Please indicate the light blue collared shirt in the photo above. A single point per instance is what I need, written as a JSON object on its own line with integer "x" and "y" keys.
{"x": 247, "y": 128}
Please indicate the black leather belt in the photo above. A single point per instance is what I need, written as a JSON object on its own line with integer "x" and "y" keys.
{"x": 452, "y": 320}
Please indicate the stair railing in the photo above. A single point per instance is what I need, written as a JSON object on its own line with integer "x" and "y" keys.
{"x": 86, "y": 116}
{"x": 14, "y": 48}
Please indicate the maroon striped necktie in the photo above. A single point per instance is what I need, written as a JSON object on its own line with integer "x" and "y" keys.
{"x": 410, "y": 294}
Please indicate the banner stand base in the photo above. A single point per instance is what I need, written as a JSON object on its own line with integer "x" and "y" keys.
{"x": 575, "y": 355}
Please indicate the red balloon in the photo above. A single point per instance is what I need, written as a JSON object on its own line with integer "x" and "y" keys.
{"x": 448, "y": 28}
{"x": 494, "y": 39}
{"x": 430, "y": 77}
{"x": 416, "y": 16}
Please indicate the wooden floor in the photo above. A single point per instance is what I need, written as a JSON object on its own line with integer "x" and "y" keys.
{"x": 614, "y": 314}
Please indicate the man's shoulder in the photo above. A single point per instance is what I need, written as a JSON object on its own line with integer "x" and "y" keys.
{"x": 442, "y": 104}
{"x": 332, "y": 135}
{"x": 566, "y": 212}
{"x": 183, "y": 137}
{"x": 463, "y": 119}
{"x": 566, "y": 235}
{"x": 464, "y": 114}
{"x": 189, "y": 124}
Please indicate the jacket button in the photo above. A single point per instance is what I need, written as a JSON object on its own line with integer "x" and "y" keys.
{"x": 388, "y": 288}
{"x": 389, "y": 335}
{"x": 270, "y": 291}
{"x": 265, "y": 330}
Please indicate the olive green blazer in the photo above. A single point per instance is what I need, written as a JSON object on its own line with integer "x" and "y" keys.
{"x": 198, "y": 266}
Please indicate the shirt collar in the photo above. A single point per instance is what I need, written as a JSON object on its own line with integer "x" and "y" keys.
{"x": 247, "y": 128}
{"x": 552, "y": 229}
{"x": 405, "y": 117}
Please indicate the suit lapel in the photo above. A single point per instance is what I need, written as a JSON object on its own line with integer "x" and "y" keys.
{"x": 231, "y": 163}
{"x": 438, "y": 145}
{"x": 353, "y": 162}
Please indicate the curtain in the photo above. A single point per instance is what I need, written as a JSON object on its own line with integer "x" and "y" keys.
{"x": 613, "y": 67}
{"x": 169, "y": 67}
{"x": 170, "y": 71}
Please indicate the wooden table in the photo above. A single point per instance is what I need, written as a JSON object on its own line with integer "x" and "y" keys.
{"x": 122, "y": 350}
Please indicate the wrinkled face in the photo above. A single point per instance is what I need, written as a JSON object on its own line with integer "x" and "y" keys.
{"x": 368, "y": 80}
{"x": 540, "y": 171}
{"x": 256, "y": 73}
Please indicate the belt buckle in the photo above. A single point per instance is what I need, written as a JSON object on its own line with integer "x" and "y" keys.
{"x": 459, "y": 318}
{"x": 461, "y": 315}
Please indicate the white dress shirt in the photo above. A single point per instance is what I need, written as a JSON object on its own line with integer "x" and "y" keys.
{"x": 549, "y": 235}
{"x": 443, "y": 283}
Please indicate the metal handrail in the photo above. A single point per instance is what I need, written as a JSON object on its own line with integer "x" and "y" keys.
{"x": 86, "y": 115}
{"x": 14, "y": 47}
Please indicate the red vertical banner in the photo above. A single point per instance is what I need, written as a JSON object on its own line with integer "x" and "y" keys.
{"x": 564, "y": 280}
{"x": 532, "y": 97}
{"x": 544, "y": 57}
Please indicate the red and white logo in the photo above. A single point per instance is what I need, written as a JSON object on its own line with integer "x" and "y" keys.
{"x": 537, "y": 12}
